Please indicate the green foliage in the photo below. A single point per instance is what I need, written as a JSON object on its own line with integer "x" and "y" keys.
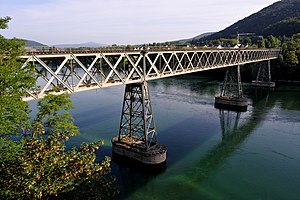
{"x": 13, "y": 84}
{"x": 58, "y": 125}
{"x": 41, "y": 168}
{"x": 34, "y": 162}
{"x": 261, "y": 43}
{"x": 247, "y": 40}
{"x": 272, "y": 42}
{"x": 3, "y": 22}
{"x": 288, "y": 67}
{"x": 291, "y": 50}
{"x": 251, "y": 41}
{"x": 291, "y": 58}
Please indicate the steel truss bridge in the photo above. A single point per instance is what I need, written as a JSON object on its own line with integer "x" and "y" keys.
{"x": 75, "y": 71}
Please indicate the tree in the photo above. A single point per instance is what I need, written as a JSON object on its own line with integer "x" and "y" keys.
{"x": 45, "y": 169}
{"x": 247, "y": 41}
{"x": 13, "y": 111}
{"x": 13, "y": 84}
{"x": 261, "y": 43}
{"x": 272, "y": 42}
{"x": 3, "y": 22}
{"x": 291, "y": 57}
{"x": 34, "y": 163}
{"x": 291, "y": 50}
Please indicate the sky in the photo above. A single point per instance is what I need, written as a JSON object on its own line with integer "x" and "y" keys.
{"x": 121, "y": 21}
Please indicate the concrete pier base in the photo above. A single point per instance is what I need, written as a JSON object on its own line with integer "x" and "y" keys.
{"x": 231, "y": 103}
{"x": 131, "y": 149}
{"x": 263, "y": 84}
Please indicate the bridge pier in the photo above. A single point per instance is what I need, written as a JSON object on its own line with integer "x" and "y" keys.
{"x": 231, "y": 96}
{"x": 263, "y": 78}
{"x": 137, "y": 138}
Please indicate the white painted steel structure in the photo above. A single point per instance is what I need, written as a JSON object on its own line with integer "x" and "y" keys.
{"x": 75, "y": 71}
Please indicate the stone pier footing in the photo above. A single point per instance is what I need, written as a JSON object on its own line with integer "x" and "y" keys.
{"x": 263, "y": 84}
{"x": 156, "y": 155}
{"x": 231, "y": 103}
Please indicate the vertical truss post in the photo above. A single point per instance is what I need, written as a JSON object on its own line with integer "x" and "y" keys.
{"x": 231, "y": 96}
{"x": 145, "y": 91}
{"x": 224, "y": 83}
{"x": 137, "y": 138}
{"x": 269, "y": 70}
{"x": 263, "y": 77}
{"x": 239, "y": 82}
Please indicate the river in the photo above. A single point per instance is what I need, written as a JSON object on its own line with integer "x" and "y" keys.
{"x": 212, "y": 153}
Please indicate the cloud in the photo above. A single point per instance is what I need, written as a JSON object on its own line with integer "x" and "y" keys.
{"x": 123, "y": 21}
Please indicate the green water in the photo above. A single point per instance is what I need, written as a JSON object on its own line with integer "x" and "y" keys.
{"x": 212, "y": 153}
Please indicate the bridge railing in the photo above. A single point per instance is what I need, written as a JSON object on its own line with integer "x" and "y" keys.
{"x": 78, "y": 70}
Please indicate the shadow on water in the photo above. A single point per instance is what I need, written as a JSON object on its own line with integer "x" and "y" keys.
{"x": 286, "y": 97}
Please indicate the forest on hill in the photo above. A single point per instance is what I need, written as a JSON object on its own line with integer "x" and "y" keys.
{"x": 279, "y": 19}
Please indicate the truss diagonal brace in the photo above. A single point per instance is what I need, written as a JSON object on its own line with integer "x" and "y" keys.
{"x": 52, "y": 78}
{"x": 135, "y": 67}
{"x": 86, "y": 70}
{"x": 113, "y": 68}
{"x": 52, "y": 73}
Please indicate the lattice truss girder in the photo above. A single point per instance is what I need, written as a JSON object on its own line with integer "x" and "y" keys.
{"x": 137, "y": 124}
{"x": 77, "y": 72}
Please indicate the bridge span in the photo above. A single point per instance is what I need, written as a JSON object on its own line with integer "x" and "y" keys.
{"x": 80, "y": 70}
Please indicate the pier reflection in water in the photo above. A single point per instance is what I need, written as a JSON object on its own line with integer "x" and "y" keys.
{"x": 212, "y": 153}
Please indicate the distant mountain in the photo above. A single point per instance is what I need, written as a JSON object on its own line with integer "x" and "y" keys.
{"x": 202, "y": 35}
{"x": 88, "y": 44}
{"x": 196, "y": 38}
{"x": 278, "y": 19}
{"x": 31, "y": 43}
